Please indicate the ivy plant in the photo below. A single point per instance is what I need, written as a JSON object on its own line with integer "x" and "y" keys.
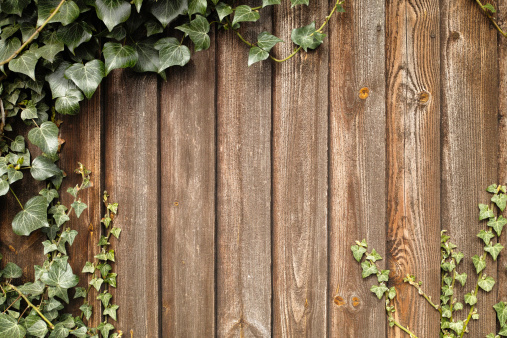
{"x": 455, "y": 314}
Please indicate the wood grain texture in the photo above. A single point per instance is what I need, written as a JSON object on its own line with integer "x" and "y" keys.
{"x": 357, "y": 170}
{"x": 243, "y": 187}
{"x": 413, "y": 157}
{"x": 132, "y": 178}
{"x": 469, "y": 131}
{"x": 187, "y": 131}
{"x": 300, "y": 167}
{"x": 83, "y": 141}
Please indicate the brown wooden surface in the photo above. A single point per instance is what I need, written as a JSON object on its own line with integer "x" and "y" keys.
{"x": 243, "y": 188}
{"x": 187, "y": 132}
{"x": 469, "y": 140}
{"x": 413, "y": 160}
{"x": 133, "y": 183}
{"x": 357, "y": 169}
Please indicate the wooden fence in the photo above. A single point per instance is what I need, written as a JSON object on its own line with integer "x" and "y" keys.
{"x": 241, "y": 189}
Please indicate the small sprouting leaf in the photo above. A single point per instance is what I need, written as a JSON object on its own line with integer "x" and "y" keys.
{"x": 79, "y": 207}
{"x": 486, "y": 283}
{"x": 25, "y": 64}
{"x": 87, "y": 77}
{"x": 373, "y": 256}
{"x": 486, "y": 236}
{"x": 43, "y": 168}
{"x": 369, "y": 268}
{"x": 256, "y": 54}
{"x": 245, "y": 13}
{"x": 11, "y": 270}
{"x": 89, "y": 267}
{"x": 267, "y": 41}
{"x": 494, "y": 250}
{"x": 379, "y": 290}
{"x": 489, "y": 7}
{"x": 104, "y": 297}
{"x": 118, "y": 56}
{"x": 479, "y": 263}
{"x": 446, "y": 311}
{"x": 458, "y": 306}
{"x": 461, "y": 278}
{"x": 45, "y": 137}
{"x": 80, "y": 292}
{"x": 307, "y": 37}
{"x": 32, "y": 217}
{"x": 167, "y": 10}
{"x": 493, "y": 188}
{"x": 485, "y": 212}
{"x": 49, "y": 247}
{"x": 197, "y": 30}
{"x": 223, "y": 10}
{"x": 383, "y": 276}
{"x": 112, "y": 12}
{"x": 9, "y": 327}
{"x": 501, "y": 312}
{"x": 392, "y": 293}
{"x": 500, "y": 200}
{"x": 470, "y": 299}
{"x": 116, "y": 232}
{"x": 172, "y": 53}
{"x": 358, "y": 252}
{"x": 111, "y": 311}
{"x": 87, "y": 310}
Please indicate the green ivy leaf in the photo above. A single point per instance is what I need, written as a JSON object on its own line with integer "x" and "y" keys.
{"x": 485, "y": 212}
{"x": 87, "y": 77}
{"x": 383, "y": 276}
{"x": 379, "y": 290}
{"x": 9, "y": 327}
{"x": 45, "y": 137}
{"x": 38, "y": 329}
{"x": 18, "y": 144}
{"x": 49, "y": 194}
{"x": 43, "y": 168}
{"x": 112, "y": 12}
{"x": 67, "y": 14}
{"x": 87, "y": 310}
{"x": 267, "y": 41}
{"x": 494, "y": 250}
{"x": 300, "y": 2}
{"x": 486, "y": 236}
{"x": 104, "y": 297}
{"x": 197, "y": 30}
{"x": 392, "y": 293}
{"x": 497, "y": 224}
{"x": 35, "y": 289}
{"x": 489, "y": 7}
{"x": 58, "y": 83}
{"x": 79, "y": 207}
{"x": 59, "y": 214}
{"x": 116, "y": 232}
{"x": 486, "y": 283}
{"x": 501, "y": 312}
{"x": 96, "y": 283}
{"x": 69, "y": 236}
{"x": 456, "y": 326}
{"x": 172, "y": 53}
{"x": 25, "y": 64}
{"x": 458, "y": 256}
{"x": 256, "y": 54}
{"x": 446, "y": 311}
{"x": 223, "y": 10}
{"x": 4, "y": 186}
{"x": 75, "y": 34}
{"x": 69, "y": 103}
{"x": 458, "y": 306}
{"x": 59, "y": 331}
{"x": 7, "y": 48}
{"x": 368, "y": 268}
{"x": 270, "y": 2}
{"x": 60, "y": 280}
{"x": 374, "y": 256}
{"x": 105, "y": 327}
{"x": 118, "y": 56}
{"x": 167, "y": 10}
{"x": 53, "y": 304}
{"x": 89, "y": 267}
{"x": 197, "y": 6}
{"x": 80, "y": 292}
{"x": 307, "y": 37}
{"x": 461, "y": 278}
{"x": 500, "y": 200}
{"x": 29, "y": 112}
{"x": 32, "y": 217}
{"x": 15, "y": 7}
{"x": 11, "y": 270}
{"x": 49, "y": 247}
{"x": 479, "y": 263}
{"x": 245, "y": 13}
{"x": 358, "y": 252}
{"x": 148, "y": 59}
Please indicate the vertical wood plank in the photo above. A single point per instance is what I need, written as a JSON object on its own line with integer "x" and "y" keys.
{"x": 188, "y": 198}
{"x": 469, "y": 130}
{"x": 300, "y": 165}
{"x": 83, "y": 140}
{"x": 132, "y": 179}
{"x": 413, "y": 155}
{"x": 357, "y": 165}
{"x": 243, "y": 187}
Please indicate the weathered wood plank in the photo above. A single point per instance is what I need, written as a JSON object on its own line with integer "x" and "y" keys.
{"x": 357, "y": 167}
{"x": 83, "y": 140}
{"x": 469, "y": 130}
{"x": 187, "y": 131}
{"x": 413, "y": 157}
{"x": 132, "y": 179}
{"x": 244, "y": 187}
{"x": 300, "y": 165}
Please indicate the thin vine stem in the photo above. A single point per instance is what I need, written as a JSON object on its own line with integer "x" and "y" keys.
{"x": 491, "y": 19}
{"x": 32, "y": 306}
{"x": 472, "y": 308}
{"x": 403, "y": 328}
{"x": 37, "y": 31}
{"x": 14, "y": 302}
{"x": 17, "y": 199}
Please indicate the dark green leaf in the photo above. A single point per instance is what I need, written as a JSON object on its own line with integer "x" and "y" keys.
{"x": 25, "y": 64}
{"x": 87, "y": 77}
{"x": 11, "y": 270}
{"x": 270, "y": 2}
{"x": 112, "y": 12}
{"x": 223, "y": 10}
{"x": 197, "y": 6}
{"x": 75, "y": 34}
{"x": 167, "y": 10}
{"x": 9, "y": 327}
{"x": 87, "y": 310}
{"x": 38, "y": 329}
{"x": 45, "y": 137}
{"x": 69, "y": 103}
{"x": 18, "y": 144}
{"x": 245, "y": 13}
{"x": 58, "y": 83}
{"x": 197, "y": 30}
{"x": 118, "y": 56}
{"x": 43, "y": 168}
{"x": 307, "y": 37}
{"x": 172, "y": 53}
{"x": 68, "y": 12}
{"x": 111, "y": 311}
{"x": 256, "y": 54}
{"x": 267, "y": 41}
{"x": 32, "y": 217}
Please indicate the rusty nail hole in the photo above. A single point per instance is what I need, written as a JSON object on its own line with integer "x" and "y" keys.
{"x": 339, "y": 301}
{"x": 363, "y": 93}
{"x": 13, "y": 249}
{"x": 379, "y": 28}
{"x": 176, "y": 204}
{"x": 424, "y": 97}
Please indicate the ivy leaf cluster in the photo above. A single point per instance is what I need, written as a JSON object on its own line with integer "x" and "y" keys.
{"x": 449, "y": 306}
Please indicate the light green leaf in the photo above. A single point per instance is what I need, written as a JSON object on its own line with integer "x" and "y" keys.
{"x": 245, "y": 13}
{"x": 11, "y": 270}
{"x": 368, "y": 268}
{"x": 485, "y": 212}
{"x": 60, "y": 280}
{"x": 29, "y": 112}
{"x": 358, "y": 252}
{"x": 25, "y": 64}
{"x": 383, "y": 276}
{"x": 486, "y": 236}
{"x": 223, "y": 10}
{"x": 167, "y": 10}
{"x": 96, "y": 283}
{"x": 307, "y": 37}
{"x": 458, "y": 306}
{"x": 446, "y": 311}
{"x": 197, "y": 6}
{"x": 500, "y": 200}
{"x": 80, "y": 292}
{"x": 18, "y": 144}
{"x": 69, "y": 236}
{"x": 116, "y": 232}
{"x": 486, "y": 283}
{"x": 49, "y": 247}
{"x": 112, "y": 12}
{"x": 49, "y": 194}
{"x": 59, "y": 214}
{"x": 7, "y": 48}
{"x": 4, "y": 187}
{"x": 270, "y": 2}
{"x": 197, "y": 30}
{"x": 373, "y": 256}
{"x": 461, "y": 278}
{"x": 35, "y": 289}
{"x": 89, "y": 267}
{"x": 501, "y": 312}
{"x": 87, "y": 77}
{"x": 267, "y": 41}
{"x": 104, "y": 298}
{"x": 67, "y": 14}
{"x": 256, "y": 54}
{"x": 87, "y": 310}
{"x": 58, "y": 83}
{"x": 118, "y": 56}
{"x": 392, "y": 293}
{"x": 79, "y": 207}
{"x": 9, "y": 327}
{"x": 479, "y": 263}
{"x": 38, "y": 329}
{"x": 43, "y": 168}
{"x": 470, "y": 299}
{"x": 172, "y": 53}
{"x": 489, "y": 7}
{"x": 494, "y": 250}
{"x": 59, "y": 331}
{"x": 45, "y": 137}
{"x": 32, "y": 217}
{"x": 69, "y": 103}
{"x": 379, "y": 290}
{"x": 456, "y": 326}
